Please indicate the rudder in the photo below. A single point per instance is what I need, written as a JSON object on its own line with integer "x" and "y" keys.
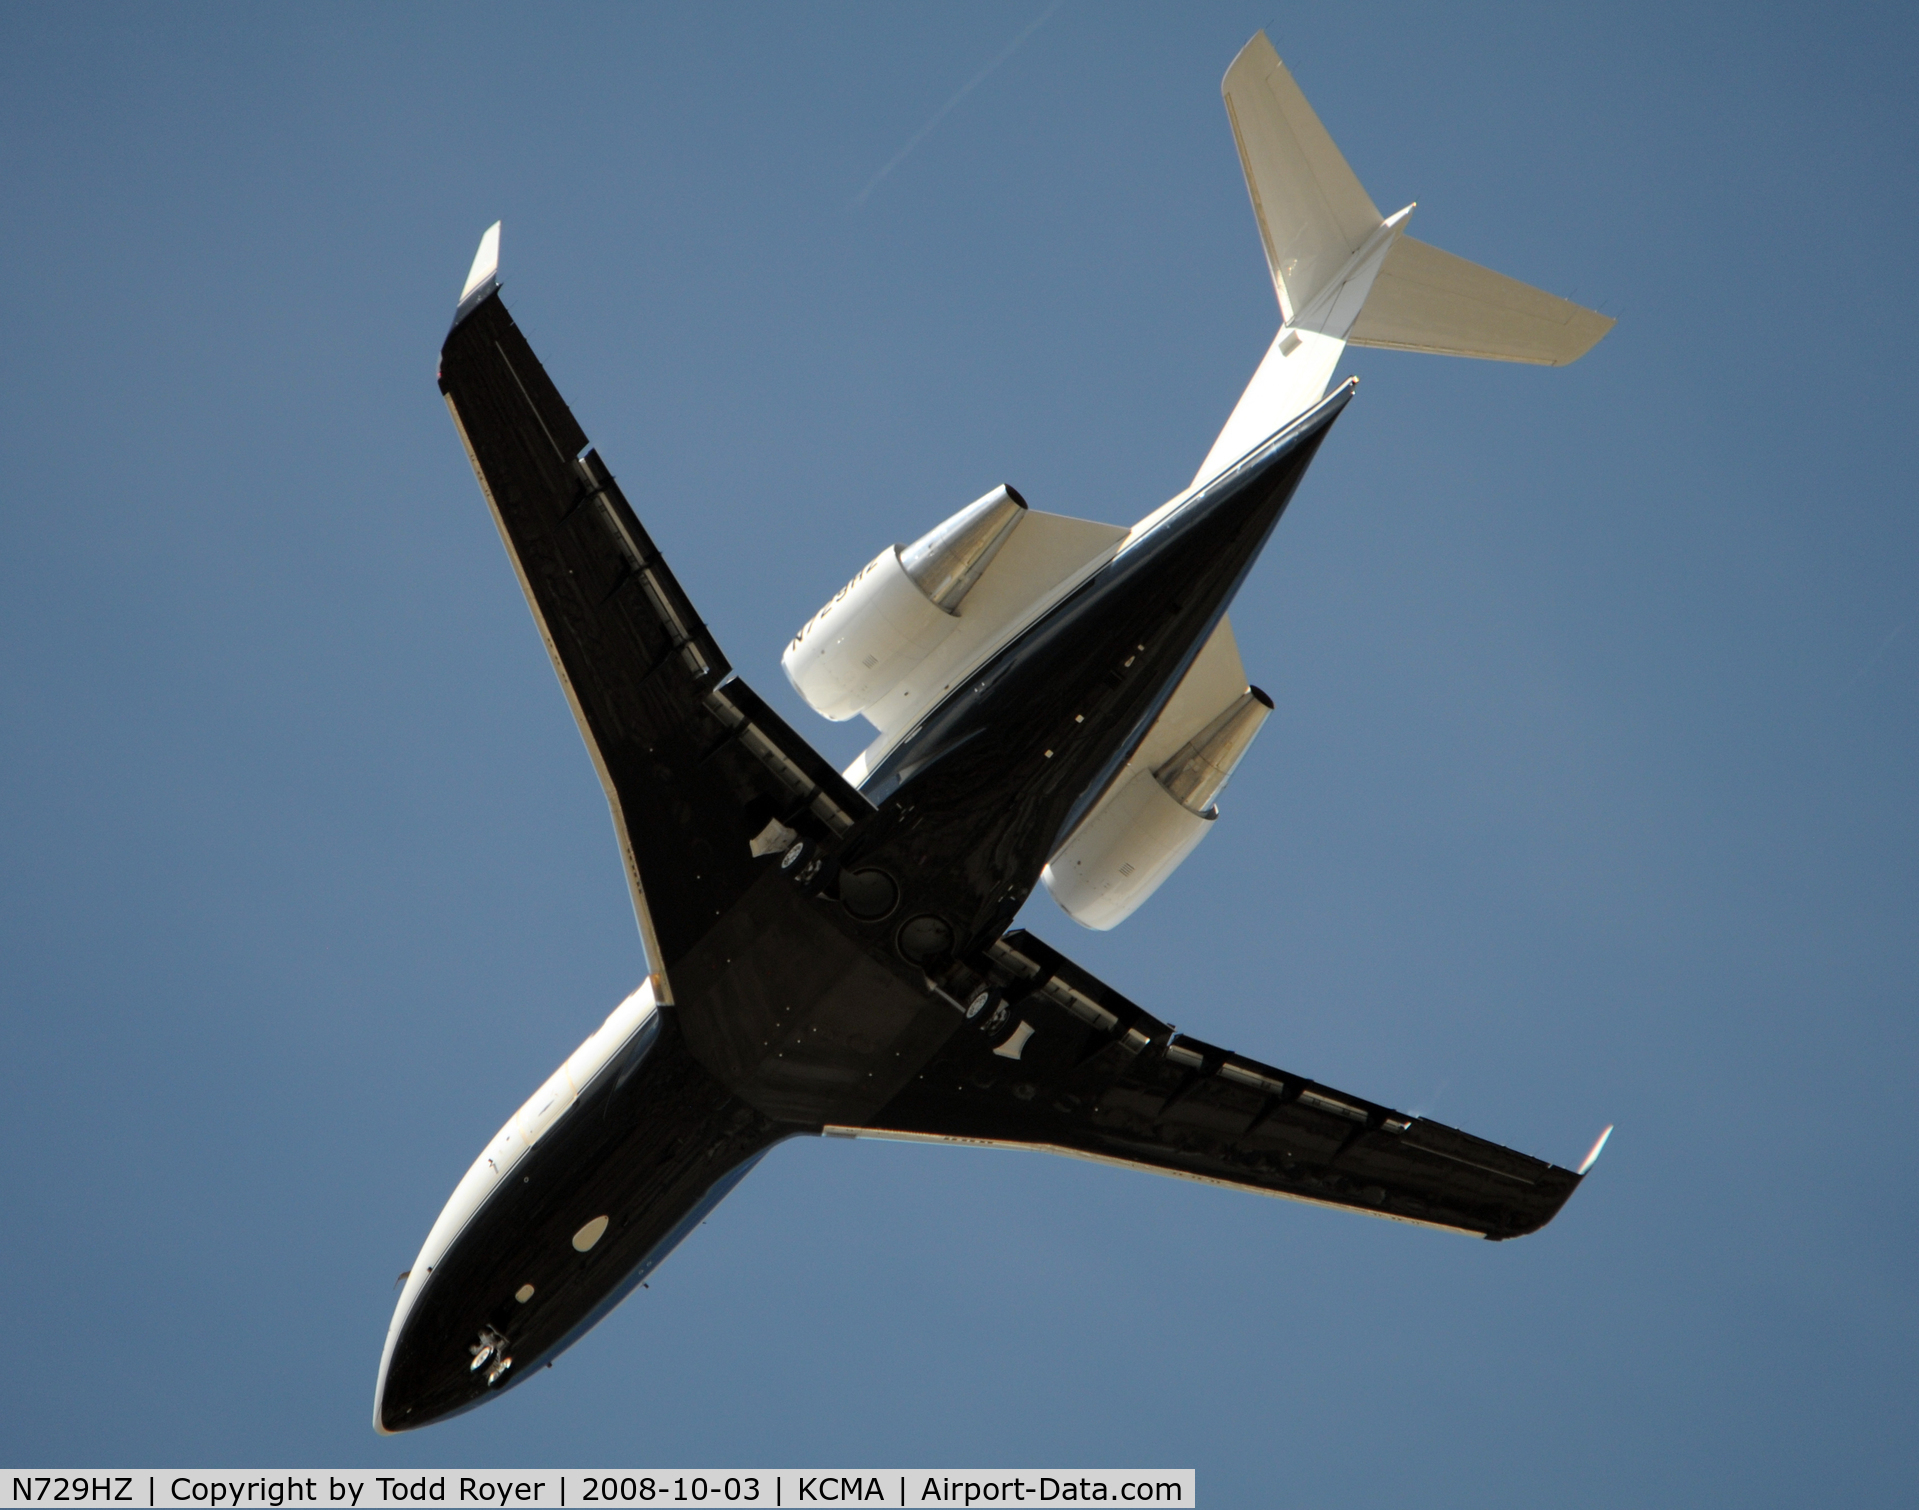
{"x": 1312, "y": 211}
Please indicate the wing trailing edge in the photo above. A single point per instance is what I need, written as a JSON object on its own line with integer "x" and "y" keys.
{"x": 1093, "y": 1076}
{"x": 696, "y": 767}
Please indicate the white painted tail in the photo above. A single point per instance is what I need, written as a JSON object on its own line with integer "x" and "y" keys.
{"x": 1346, "y": 274}
{"x": 1313, "y": 214}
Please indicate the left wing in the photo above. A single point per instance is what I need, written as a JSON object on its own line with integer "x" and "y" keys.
{"x": 701, "y": 775}
{"x": 1065, "y": 1064}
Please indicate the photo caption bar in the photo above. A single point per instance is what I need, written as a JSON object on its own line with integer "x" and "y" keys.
{"x": 588, "y": 1489}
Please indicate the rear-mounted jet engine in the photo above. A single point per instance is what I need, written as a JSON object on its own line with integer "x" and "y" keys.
{"x": 898, "y": 610}
{"x": 1136, "y": 838}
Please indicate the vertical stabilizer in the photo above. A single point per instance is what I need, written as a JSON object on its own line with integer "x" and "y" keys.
{"x": 1313, "y": 214}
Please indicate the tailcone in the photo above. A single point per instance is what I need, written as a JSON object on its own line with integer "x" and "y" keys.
{"x": 1295, "y": 442}
{"x": 1291, "y": 448}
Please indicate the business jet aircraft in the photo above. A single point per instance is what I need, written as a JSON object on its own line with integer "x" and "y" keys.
{"x": 1057, "y": 702}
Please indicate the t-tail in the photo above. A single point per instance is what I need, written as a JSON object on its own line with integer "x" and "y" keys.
{"x": 1346, "y": 274}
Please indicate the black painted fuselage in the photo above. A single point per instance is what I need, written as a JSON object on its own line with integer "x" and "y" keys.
{"x": 794, "y": 1009}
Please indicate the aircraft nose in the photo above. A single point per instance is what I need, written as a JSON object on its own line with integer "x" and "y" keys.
{"x": 424, "y": 1376}
{"x": 443, "y": 1354}
{"x": 411, "y": 1392}
{"x": 389, "y": 1409}
{"x": 407, "y": 1395}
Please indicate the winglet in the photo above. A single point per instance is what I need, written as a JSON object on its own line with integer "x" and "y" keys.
{"x": 1593, "y": 1157}
{"x": 484, "y": 276}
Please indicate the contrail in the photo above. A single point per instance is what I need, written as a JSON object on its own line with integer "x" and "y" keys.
{"x": 941, "y": 114}
{"x": 1871, "y": 661}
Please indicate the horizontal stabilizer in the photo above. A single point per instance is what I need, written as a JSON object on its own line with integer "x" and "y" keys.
{"x": 1427, "y": 300}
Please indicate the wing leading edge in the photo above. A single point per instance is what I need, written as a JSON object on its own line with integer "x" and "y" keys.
{"x": 1065, "y": 1064}
{"x": 697, "y": 769}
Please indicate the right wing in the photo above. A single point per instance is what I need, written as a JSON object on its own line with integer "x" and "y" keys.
{"x": 1065, "y": 1064}
{"x": 701, "y": 775}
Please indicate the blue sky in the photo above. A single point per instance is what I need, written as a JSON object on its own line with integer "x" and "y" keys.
{"x": 1589, "y": 796}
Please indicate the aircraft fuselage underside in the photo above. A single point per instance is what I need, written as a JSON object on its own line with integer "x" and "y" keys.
{"x": 820, "y": 1016}
{"x": 792, "y": 1013}
{"x": 832, "y": 959}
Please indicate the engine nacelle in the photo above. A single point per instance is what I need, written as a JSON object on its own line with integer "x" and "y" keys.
{"x": 1137, "y": 837}
{"x": 898, "y": 610}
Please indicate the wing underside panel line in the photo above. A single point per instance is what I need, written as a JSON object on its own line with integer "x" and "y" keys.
{"x": 1092, "y": 1075}
{"x": 694, "y": 764}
